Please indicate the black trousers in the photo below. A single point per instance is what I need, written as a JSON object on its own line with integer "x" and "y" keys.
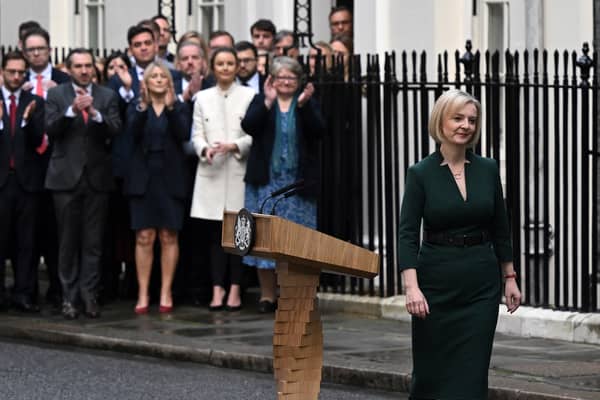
{"x": 47, "y": 242}
{"x": 222, "y": 265}
{"x": 81, "y": 217}
{"x": 18, "y": 214}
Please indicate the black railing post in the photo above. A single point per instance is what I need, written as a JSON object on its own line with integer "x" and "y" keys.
{"x": 595, "y": 199}
{"x": 558, "y": 232}
{"x": 585, "y": 64}
{"x": 546, "y": 178}
{"x": 468, "y": 60}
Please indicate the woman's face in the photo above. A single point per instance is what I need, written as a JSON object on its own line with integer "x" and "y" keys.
{"x": 225, "y": 67}
{"x": 115, "y": 65}
{"x": 158, "y": 81}
{"x": 285, "y": 82}
{"x": 339, "y": 49}
{"x": 458, "y": 125}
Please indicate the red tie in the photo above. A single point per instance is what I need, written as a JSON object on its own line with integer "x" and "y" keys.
{"x": 85, "y": 116}
{"x": 39, "y": 88}
{"x": 13, "y": 122}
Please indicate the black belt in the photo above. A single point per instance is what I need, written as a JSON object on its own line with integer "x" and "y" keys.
{"x": 447, "y": 239}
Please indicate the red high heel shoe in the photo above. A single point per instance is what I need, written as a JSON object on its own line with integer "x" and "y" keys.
{"x": 141, "y": 310}
{"x": 165, "y": 309}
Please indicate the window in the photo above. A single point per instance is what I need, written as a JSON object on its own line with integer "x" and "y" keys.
{"x": 93, "y": 22}
{"x": 211, "y": 16}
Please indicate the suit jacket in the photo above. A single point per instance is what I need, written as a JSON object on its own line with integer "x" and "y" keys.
{"x": 78, "y": 145}
{"x": 217, "y": 117}
{"x": 175, "y": 173}
{"x": 57, "y": 76}
{"x": 259, "y": 122}
{"x": 29, "y": 167}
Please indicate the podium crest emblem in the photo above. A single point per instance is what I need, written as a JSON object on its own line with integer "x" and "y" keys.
{"x": 243, "y": 232}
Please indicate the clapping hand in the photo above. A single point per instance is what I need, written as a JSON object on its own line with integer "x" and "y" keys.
{"x": 194, "y": 86}
{"x": 306, "y": 94}
{"x": 82, "y": 101}
{"x": 144, "y": 96}
{"x": 170, "y": 97}
{"x": 269, "y": 92}
{"x": 125, "y": 77}
{"x": 28, "y": 110}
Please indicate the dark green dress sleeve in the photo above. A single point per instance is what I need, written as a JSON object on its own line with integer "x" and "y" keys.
{"x": 411, "y": 214}
{"x": 500, "y": 229}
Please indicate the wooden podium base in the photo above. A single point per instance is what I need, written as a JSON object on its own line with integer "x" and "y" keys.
{"x": 298, "y": 334}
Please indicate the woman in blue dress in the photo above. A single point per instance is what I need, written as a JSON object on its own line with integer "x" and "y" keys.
{"x": 156, "y": 180}
{"x": 286, "y": 126}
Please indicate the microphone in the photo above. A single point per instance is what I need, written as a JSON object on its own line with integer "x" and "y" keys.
{"x": 298, "y": 184}
{"x": 290, "y": 193}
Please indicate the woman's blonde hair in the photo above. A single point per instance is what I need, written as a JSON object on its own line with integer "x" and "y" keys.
{"x": 449, "y": 102}
{"x": 163, "y": 67}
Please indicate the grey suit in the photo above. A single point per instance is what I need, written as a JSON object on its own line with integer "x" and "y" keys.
{"x": 80, "y": 176}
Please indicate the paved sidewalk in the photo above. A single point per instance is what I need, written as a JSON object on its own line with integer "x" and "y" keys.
{"x": 368, "y": 352}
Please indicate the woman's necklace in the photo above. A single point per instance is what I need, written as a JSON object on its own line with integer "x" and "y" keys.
{"x": 457, "y": 175}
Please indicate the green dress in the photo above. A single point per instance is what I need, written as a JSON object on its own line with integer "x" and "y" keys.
{"x": 453, "y": 345}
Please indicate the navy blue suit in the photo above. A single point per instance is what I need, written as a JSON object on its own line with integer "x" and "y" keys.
{"x": 20, "y": 187}
{"x": 136, "y": 180}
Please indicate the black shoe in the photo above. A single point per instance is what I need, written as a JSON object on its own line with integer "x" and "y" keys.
{"x": 92, "y": 309}
{"x": 220, "y": 307}
{"x": 233, "y": 308}
{"x": 267, "y": 306}
{"x": 25, "y": 305}
{"x": 69, "y": 311}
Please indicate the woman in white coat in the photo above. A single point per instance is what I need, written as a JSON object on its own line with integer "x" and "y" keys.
{"x": 222, "y": 147}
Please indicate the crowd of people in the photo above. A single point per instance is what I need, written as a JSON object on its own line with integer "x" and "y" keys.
{"x": 119, "y": 169}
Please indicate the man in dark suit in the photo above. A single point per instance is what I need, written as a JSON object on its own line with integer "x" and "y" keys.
{"x": 248, "y": 74}
{"x": 81, "y": 119}
{"x": 21, "y": 179}
{"x": 40, "y": 77}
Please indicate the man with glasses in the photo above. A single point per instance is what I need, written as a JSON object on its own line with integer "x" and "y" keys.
{"x": 21, "y": 180}
{"x": 248, "y": 72}
{"x": 40, "y": 77}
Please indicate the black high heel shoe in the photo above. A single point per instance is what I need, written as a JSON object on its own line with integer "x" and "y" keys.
{"x": 220, "y": 307}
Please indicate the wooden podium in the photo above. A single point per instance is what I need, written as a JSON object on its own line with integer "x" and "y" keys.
{"x": 301, "y": 254}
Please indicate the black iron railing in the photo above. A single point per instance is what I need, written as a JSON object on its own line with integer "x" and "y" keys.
{"x": 539, "y": 124}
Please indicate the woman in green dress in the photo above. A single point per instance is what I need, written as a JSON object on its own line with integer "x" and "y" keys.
{"x": 453, "y": 278}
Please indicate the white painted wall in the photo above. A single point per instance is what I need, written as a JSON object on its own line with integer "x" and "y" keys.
{"x": 123, "y": 14}
{"x": 568, "y": 23}
{"x": 13, "y": 12}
